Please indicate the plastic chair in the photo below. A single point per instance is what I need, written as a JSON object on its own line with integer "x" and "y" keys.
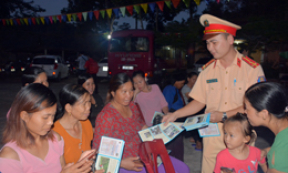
{"x": 148, "y": 153}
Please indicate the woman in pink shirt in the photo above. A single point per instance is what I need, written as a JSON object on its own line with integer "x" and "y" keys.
{"x": 30, "y": 144}
{"x": 149, "y": 97}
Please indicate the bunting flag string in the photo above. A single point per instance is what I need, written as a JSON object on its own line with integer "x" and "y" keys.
{"x": 89, "y": 14}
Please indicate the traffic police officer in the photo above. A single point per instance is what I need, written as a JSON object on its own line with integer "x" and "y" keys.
{"x": 221, "y": 84}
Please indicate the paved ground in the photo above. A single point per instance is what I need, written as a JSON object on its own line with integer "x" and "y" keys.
{"x": 10, "y": 86}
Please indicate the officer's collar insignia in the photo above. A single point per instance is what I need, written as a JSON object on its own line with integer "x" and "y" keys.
{"x": 206, "y": 23}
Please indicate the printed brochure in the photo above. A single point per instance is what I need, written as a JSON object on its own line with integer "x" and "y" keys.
{"x": 197, "y": 122}
{"x": 166, "y": 133}
{"x": 109, "y": 154}
{"x": 211, "y": 130}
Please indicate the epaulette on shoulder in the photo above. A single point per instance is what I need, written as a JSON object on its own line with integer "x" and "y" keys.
{"x": 207, "y": 64}
{"x": 251, "y": 62}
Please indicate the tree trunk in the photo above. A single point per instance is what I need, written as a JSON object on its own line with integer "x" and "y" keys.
{"x": 156, "y": 19}
{"x": 141, "y": 20}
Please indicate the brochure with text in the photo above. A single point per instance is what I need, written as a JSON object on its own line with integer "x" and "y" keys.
{"x": 211, "y": 130}
{"x": 109, "y": 154}
{"x": 166, "y": 133}
{"x": 197, "y": 122}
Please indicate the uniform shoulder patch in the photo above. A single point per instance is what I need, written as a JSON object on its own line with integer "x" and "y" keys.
{"x": 207, "y": 64}
{"x": 251, "y": 62}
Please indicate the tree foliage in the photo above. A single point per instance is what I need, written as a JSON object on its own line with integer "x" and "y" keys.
{"x": 18, "y": 8}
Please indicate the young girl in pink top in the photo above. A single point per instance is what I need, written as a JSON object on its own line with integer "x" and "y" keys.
{"x": 148, "y": 97}
{"x": 30, "y": 144}
{"x": 239, "y": 156}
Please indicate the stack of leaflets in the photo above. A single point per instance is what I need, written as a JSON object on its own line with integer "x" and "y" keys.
{"x": 109, "y": 154}
{"x": 197, "y": 122}
{"x": 166, "y": 133}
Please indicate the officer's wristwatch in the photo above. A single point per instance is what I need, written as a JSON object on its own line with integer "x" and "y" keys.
{"x": 224, "y": 117}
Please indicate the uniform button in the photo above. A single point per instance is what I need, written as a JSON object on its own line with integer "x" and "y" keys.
{"x": 212, "y": 88}
{"x": 225, "y": 103}
{"x": 225, "y": 88}
{"x": 226, "y": 72}
{"x": 240, "y": 88}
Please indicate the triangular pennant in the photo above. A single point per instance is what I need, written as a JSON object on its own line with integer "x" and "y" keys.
{"x": 11, "y": 22}
{"x": 59, "y": 17}
{"x": 29, "y": 21}
{"x": 26, "y": 21}
{"x": 123, "y": 10}
{"x": 90, "y": 15}
{"x": 175, "y": 3}
{"x": 145, "y": 7}
{"x": 38, "y": 21}
{"x": 69, "y": 17}
{"x": 152, "y": 6}
{"x": 197, "y": 2}
{"x": 15, "y": 22}
{"x": 79, "y": 16}
{"x": 160, "y": 5}
{"x": 42, "y": 20}
{"x": 7, "y": 21}
{"x": 85, "y": 16}
{"x": 64, "y": 18}
{"x": 187, "y": 3}
{"x": 137, "y": 8}
{"x": 74, "y": 15}
{"x": 130, "y": 9}
{"x": 102, "y": 13}
{"x": 96, "y": 14}
{"x": 51, "y": 20}
{"x": 218, "y": 1}
{"x": 116, "y": 12}
{"x": 47, "y": 20}
{"x": 18, "y": 21}
{"x": 33, "y": 21}
{"x": 168, "y": 3}
{"x": 55, "y": 19}
{"x": 4, "y": 22}
{"x": 22, "y": 21}
{"x": 109, "y": 12}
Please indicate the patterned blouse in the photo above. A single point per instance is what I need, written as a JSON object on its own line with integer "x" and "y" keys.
{"x": 110, "y": 122}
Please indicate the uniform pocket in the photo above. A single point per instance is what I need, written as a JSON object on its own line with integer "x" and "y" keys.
{"x": 213, "y": 92}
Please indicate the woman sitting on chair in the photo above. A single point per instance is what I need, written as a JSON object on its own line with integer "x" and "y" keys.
{"x": 121, "y": 119}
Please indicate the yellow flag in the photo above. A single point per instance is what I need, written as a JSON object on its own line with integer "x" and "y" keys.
{"x": 145, "y": 7}
{"x": 26, "y": 21}
{"x": 11, "y": 22}
{"x": 197, "y": 2}
{"x": 69, "y": 17}
{"x": 42, "y": 20}
{"x": 109, "y": 12}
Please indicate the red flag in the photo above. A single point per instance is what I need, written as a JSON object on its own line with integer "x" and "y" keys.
{"x": 33, "y": 20}
{"x": 175, "y": 3}
{"x": 130, "y": 9}
{"x": 4, "y": 22}
{"x": 218, "y": 1}
{"x": 51, "y": 20}
{"x": 59, "y": 18}
{"x": 79, "y": 16}
{"x": 160, "y": 5}
{"x": 18, "y": 21}
{"x": 96, "y": 14}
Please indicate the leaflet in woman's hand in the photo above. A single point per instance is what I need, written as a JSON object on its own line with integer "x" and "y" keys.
{"x": 109, "y": 154}
{"x": 196, "y": 122}
{"x": 166, "y": 133}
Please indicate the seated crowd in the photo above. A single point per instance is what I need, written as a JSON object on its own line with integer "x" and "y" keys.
{"x": 35, "y": 142}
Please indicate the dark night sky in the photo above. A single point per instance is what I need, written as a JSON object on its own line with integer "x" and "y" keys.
{"x": 53, "y": 7}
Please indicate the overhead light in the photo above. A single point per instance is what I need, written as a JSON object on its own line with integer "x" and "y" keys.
{"x": 109, "y": 37}
{"x": 239, "y": 41}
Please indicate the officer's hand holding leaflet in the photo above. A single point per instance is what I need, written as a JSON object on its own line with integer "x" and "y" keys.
{"x": 215, "y": 116}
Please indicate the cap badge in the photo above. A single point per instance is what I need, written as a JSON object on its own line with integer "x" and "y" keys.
{"x": 206, "y": 23}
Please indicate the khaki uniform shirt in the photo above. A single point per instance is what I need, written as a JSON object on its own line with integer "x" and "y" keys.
{"x": 222, "y": 89}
